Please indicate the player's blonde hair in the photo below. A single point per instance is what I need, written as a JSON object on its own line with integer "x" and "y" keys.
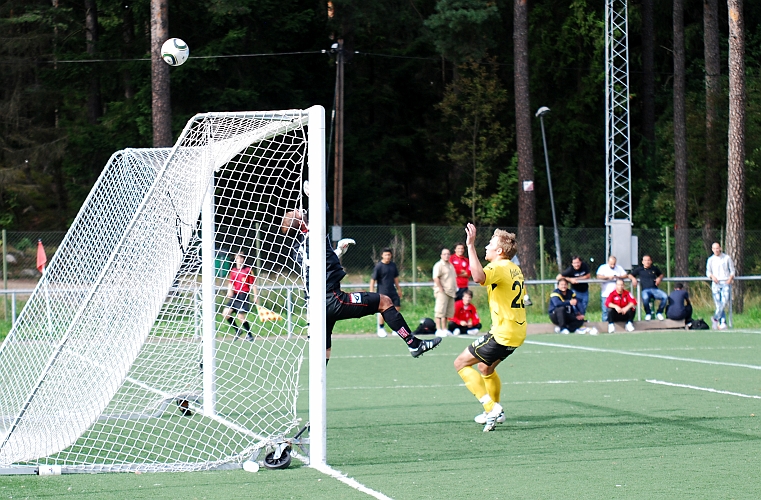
{"x": 506, "y": 241}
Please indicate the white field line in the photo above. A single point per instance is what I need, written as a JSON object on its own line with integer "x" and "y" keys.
{"x": 641, "y": 354}
{"x": 351, "y": 482}
{"x": 439, "y": 386}
{"x": 706, "y": 389}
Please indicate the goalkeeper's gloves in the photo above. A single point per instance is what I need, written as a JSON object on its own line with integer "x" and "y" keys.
{"x": 343, "y": 245}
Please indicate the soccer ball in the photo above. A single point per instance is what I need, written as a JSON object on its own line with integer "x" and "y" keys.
{"x": 175, "y": 52}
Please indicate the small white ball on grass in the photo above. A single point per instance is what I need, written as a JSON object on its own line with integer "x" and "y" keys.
{"x": 250, "y": 466}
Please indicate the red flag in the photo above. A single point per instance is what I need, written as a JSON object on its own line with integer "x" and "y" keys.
{"x": 41, "y": 257}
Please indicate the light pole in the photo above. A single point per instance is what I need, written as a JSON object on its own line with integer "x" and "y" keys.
{"x": 540, "y": 113}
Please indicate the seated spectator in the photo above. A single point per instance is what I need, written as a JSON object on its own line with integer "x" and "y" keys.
{"x": 562, "y": 309}
{"x": 679, "y": 306}
{"x": 620, "y": 305}
{"x": 578, "y": 270}
{"x": 649, "y": 277}
{"x": 609, "y": 272}
{"x": 465, "y": 319}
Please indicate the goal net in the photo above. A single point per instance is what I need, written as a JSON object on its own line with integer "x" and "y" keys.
{"x": 123, "y": 359}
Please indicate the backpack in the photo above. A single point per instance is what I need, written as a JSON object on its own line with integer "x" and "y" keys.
{"x": 427, "y": 325}
{"x": 699, "y": 324}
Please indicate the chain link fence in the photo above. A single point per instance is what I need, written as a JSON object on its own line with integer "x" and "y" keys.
{"x": 417, "y": 248}
{"x": 20, "y": 249}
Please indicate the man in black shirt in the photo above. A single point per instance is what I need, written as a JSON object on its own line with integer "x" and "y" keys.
{"x": 649, "y": 277}
{"x": 341, "y": 305}
{"x": 386, "y": 276}
{"x": 578, "y": 270}
{"x": 680, "y": 307}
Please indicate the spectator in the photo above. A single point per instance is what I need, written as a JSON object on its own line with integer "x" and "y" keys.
{"x": 721, "y": 270}
{"x": 386, "y": 276}
{"x": 462, "y": 269}
{"x": 649, "y": 277}
{"x": 465, "y": 319}
{"x": 444, "y": 290}
{"x": 679, "y": 306}
{"x": 563, "y": 312}
{"x": 609, "y": 272}
{"x": 620, "y": 305}
{"x": 578, "y": 270}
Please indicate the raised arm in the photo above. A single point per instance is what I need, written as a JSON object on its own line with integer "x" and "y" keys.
{"x": 476, "y": 269}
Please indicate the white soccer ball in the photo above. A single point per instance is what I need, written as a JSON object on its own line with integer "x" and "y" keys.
{"x": 175, "y": 52}
{"x": 250, "y": 466}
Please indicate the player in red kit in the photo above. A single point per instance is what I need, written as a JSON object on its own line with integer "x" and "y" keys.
{"x": 241, "y": 282}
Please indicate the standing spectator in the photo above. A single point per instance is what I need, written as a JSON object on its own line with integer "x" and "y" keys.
{"x": 650, "y": 277}
{"x": 721, "y": 270}
{"x": 679, "y": 307}
{"x": 609, "y": 272}
{"x": 620, "y": 305}
{"x": 462, "y": 268}
{"x": 465, "y": 319}
{"x": 386, "y": 276}
{"x": 563, "y": 309}
{"x": 240, "y": 282}
{"x": 578, "y": 270}
{"x": 444, "y": 290}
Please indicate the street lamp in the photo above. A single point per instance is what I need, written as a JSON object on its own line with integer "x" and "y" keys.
{"x": 540, "y": 113}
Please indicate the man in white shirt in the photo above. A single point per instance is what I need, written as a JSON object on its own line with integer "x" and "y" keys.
{"x": 721, "y": 270}
{"x": 609, "y": 272}
{"x": 444, "y": 291}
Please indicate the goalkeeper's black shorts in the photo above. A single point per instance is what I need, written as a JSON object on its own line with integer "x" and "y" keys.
{"x": 342, "y": 305}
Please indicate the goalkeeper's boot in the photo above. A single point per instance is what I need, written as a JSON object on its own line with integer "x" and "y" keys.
{"x": 481, "y": 419}
{"x": 250, "y": 337}
{"x": 425, "y": 345}
{"x": 491, "y": 417}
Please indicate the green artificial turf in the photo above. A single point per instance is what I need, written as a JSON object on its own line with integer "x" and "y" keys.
{"x": 587, "y": 417}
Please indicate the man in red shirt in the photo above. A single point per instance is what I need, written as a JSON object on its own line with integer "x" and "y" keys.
{"x": 241, "y": 282}
{"x": 462, "y": 269}
{"x": 621, "y": 306}
{"x": 465, "y": 317}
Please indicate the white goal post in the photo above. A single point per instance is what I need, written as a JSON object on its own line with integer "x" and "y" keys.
{"x": 131, "y": 355}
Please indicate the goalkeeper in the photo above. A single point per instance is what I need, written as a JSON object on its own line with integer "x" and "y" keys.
{"x": 342, "y": 305}
{"x": 504, "y": 285}
{"x": 240, "y": 283}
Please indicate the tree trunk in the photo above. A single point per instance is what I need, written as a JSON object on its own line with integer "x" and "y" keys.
{"x": 736, "y": 162}
{"x": 161, "y": 102}
{"x": 681, "y": 253}
{"x": 94, "y": 107}
{"x": 711, "y": 192}
{"x": 526, "y": 199}
{"x": 648, "y": 78}
{"x": 128, "y": 37}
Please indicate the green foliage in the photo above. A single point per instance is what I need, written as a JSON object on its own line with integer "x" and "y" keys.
{"x": 463, "y": 30}
{"x": 402, "y": 162}
{"x": 472, "y": 107}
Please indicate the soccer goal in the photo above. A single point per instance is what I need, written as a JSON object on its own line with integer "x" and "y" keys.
{"x": 121, "y": 360}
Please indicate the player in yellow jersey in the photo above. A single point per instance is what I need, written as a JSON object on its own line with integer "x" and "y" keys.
{"x": 504, "y": 285}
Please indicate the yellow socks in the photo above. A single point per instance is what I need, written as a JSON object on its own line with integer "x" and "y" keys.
{"x": 476, "y": 384}
{"x": 493, "y": 385}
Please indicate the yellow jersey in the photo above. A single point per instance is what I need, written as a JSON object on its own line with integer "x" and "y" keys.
{"x": 505, "y": 289}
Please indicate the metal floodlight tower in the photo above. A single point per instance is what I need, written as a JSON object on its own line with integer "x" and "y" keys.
{"x": 618, "y": 209}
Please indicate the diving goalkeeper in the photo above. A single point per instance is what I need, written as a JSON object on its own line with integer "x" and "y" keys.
{"x": 342, "y": 305}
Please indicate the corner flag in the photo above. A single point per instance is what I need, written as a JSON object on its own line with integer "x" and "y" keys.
{"x": 41, "y": 257}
